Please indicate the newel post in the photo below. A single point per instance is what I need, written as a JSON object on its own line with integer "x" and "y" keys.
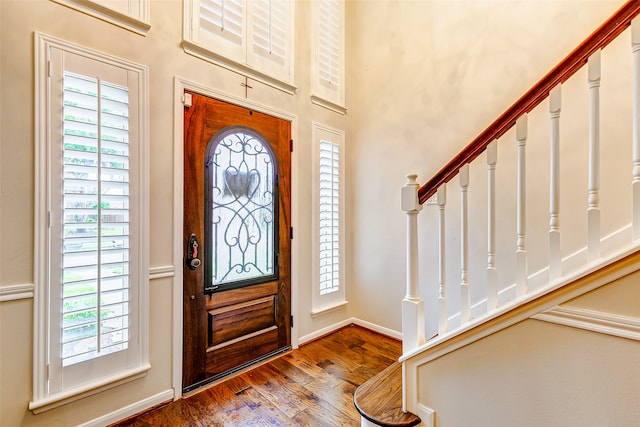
{"x": 412, "y": 305}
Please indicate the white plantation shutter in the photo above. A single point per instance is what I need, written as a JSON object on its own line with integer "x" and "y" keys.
{"x": 91, "y": 252}
{"x": 329, "y": 282}
{"x": 328, "y": 53}
{"x": 329, "y": 43}
{"x": 270, "y": 30}
{"x": 329, "y": 217}
{"x": 222, "y": 18}
{"x": 95, "y": 230}
{"x": 251, "y": 37}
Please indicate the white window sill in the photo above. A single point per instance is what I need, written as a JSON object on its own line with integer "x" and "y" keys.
{"x": 90, "y": 8}
{"x": 245, "y": 70}
{"x": 71, "y": 395}
{"x": 328, "y": 104}
{"x": 329, "y": 308}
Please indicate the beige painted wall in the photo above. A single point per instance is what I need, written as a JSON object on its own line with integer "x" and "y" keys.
{"x": 160, "y": 50}
{"x": 620, "y": 297}
{"x": 417, "y": 91}
{"x": 423, "y": 87}
{"x": 541, "y": 374}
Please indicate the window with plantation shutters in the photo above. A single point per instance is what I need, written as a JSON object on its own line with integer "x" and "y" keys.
{"x": 328, "y": 54}
{"x": 329, "y": 289}
{"x": 95, "y": 218}
{"x": 329, "y": 227}
{"x": 220, "y": 24}
{"x": 222, "y": 18}
{"x": 91, "y": 209}
{"x": 269, "y": 32}
{"x": 251, "y": 37}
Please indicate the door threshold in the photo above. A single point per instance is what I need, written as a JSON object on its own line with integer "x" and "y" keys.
{"x": 224, "y": 376}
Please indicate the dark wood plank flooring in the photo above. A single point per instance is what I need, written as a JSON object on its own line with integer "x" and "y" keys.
{"x": 310, "y": 386}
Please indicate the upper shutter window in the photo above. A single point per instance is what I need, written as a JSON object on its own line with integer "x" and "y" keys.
{"x": 328, "y": 54}
{"x": 222, "y": 18}
{"x": 329, "y": 43}
{"x": 132, "y": 15}
{"x": 251, "y": 37}
{"x": 270, "y": 28}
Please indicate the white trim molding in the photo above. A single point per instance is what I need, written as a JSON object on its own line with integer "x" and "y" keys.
{"x": 137, "y": 22}
{"x": 129, "y": 410}
{"x": 244, "y": 70}
{"x": 89, "y": 389}
{"x": 594, "y": 321}
{"x": 162, "y": 272}
{"x": 351, "y": 321}
{"x": 328, "y": 105}
{"x": 329, "y": 309}
{"x": 16, "y": 292}
{"x": 427, "y": 415}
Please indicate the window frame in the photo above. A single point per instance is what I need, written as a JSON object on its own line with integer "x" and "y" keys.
{"x": 332, "y": 98}
{"x": 240, "y": 59}
{"x": 337, "y": 299}
{"x": 135, "y": 22}
{"x": 136, "y": 364}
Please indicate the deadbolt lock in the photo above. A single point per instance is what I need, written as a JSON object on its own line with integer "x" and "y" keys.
{"x": 192, "y": 259}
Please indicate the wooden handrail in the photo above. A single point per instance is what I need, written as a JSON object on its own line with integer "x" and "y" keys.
{"x": 600, "y": 38}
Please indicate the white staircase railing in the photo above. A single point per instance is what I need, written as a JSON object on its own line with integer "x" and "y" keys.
{"x": 508, "y": 210}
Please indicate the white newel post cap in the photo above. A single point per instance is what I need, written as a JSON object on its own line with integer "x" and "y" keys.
{"x": 409, "y": 195}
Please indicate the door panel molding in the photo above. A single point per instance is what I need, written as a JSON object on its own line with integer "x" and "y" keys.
{"x": 180, "y": 85}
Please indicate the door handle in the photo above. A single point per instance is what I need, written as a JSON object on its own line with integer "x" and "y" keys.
{"x": 192, "y": 259}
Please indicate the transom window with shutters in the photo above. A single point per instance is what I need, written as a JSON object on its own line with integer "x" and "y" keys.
{"x": 251, "y": 37}
{"x": 91, "y": 257}
{"x": 132, "y": 15}
{"x": 329, "y": 288}
{"x": 328, "y": 66}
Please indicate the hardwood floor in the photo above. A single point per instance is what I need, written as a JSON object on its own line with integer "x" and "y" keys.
{"x": 310, "y": 386}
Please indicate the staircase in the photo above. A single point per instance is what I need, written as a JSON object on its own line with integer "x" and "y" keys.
{"x": 533, "y": 236}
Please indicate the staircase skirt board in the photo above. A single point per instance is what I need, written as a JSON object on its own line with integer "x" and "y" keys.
{"x": 542, "y": 305}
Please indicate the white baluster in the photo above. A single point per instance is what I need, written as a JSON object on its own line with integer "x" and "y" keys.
{"x": 635, "y": 47}
{"x": 593, "y": 210}
{"x": 443, "y": 314}
{"x": 521, "y": 215}
{"x": 465, "y": 297}
{"x": 555, "y": 258}
{"x": 412, "y": 306}
{"x": 492, "y": 272}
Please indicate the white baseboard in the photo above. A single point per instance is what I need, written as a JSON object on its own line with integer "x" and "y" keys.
{"x": 324, "y": 331}
{"x": 377, "y": 328}
{"x": 129, "y": 410}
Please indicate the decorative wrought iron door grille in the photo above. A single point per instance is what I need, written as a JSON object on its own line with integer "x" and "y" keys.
{"x": 241, "y": 217}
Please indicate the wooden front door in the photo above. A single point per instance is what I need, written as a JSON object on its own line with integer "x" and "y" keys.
{"x": 237, "y": 247}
